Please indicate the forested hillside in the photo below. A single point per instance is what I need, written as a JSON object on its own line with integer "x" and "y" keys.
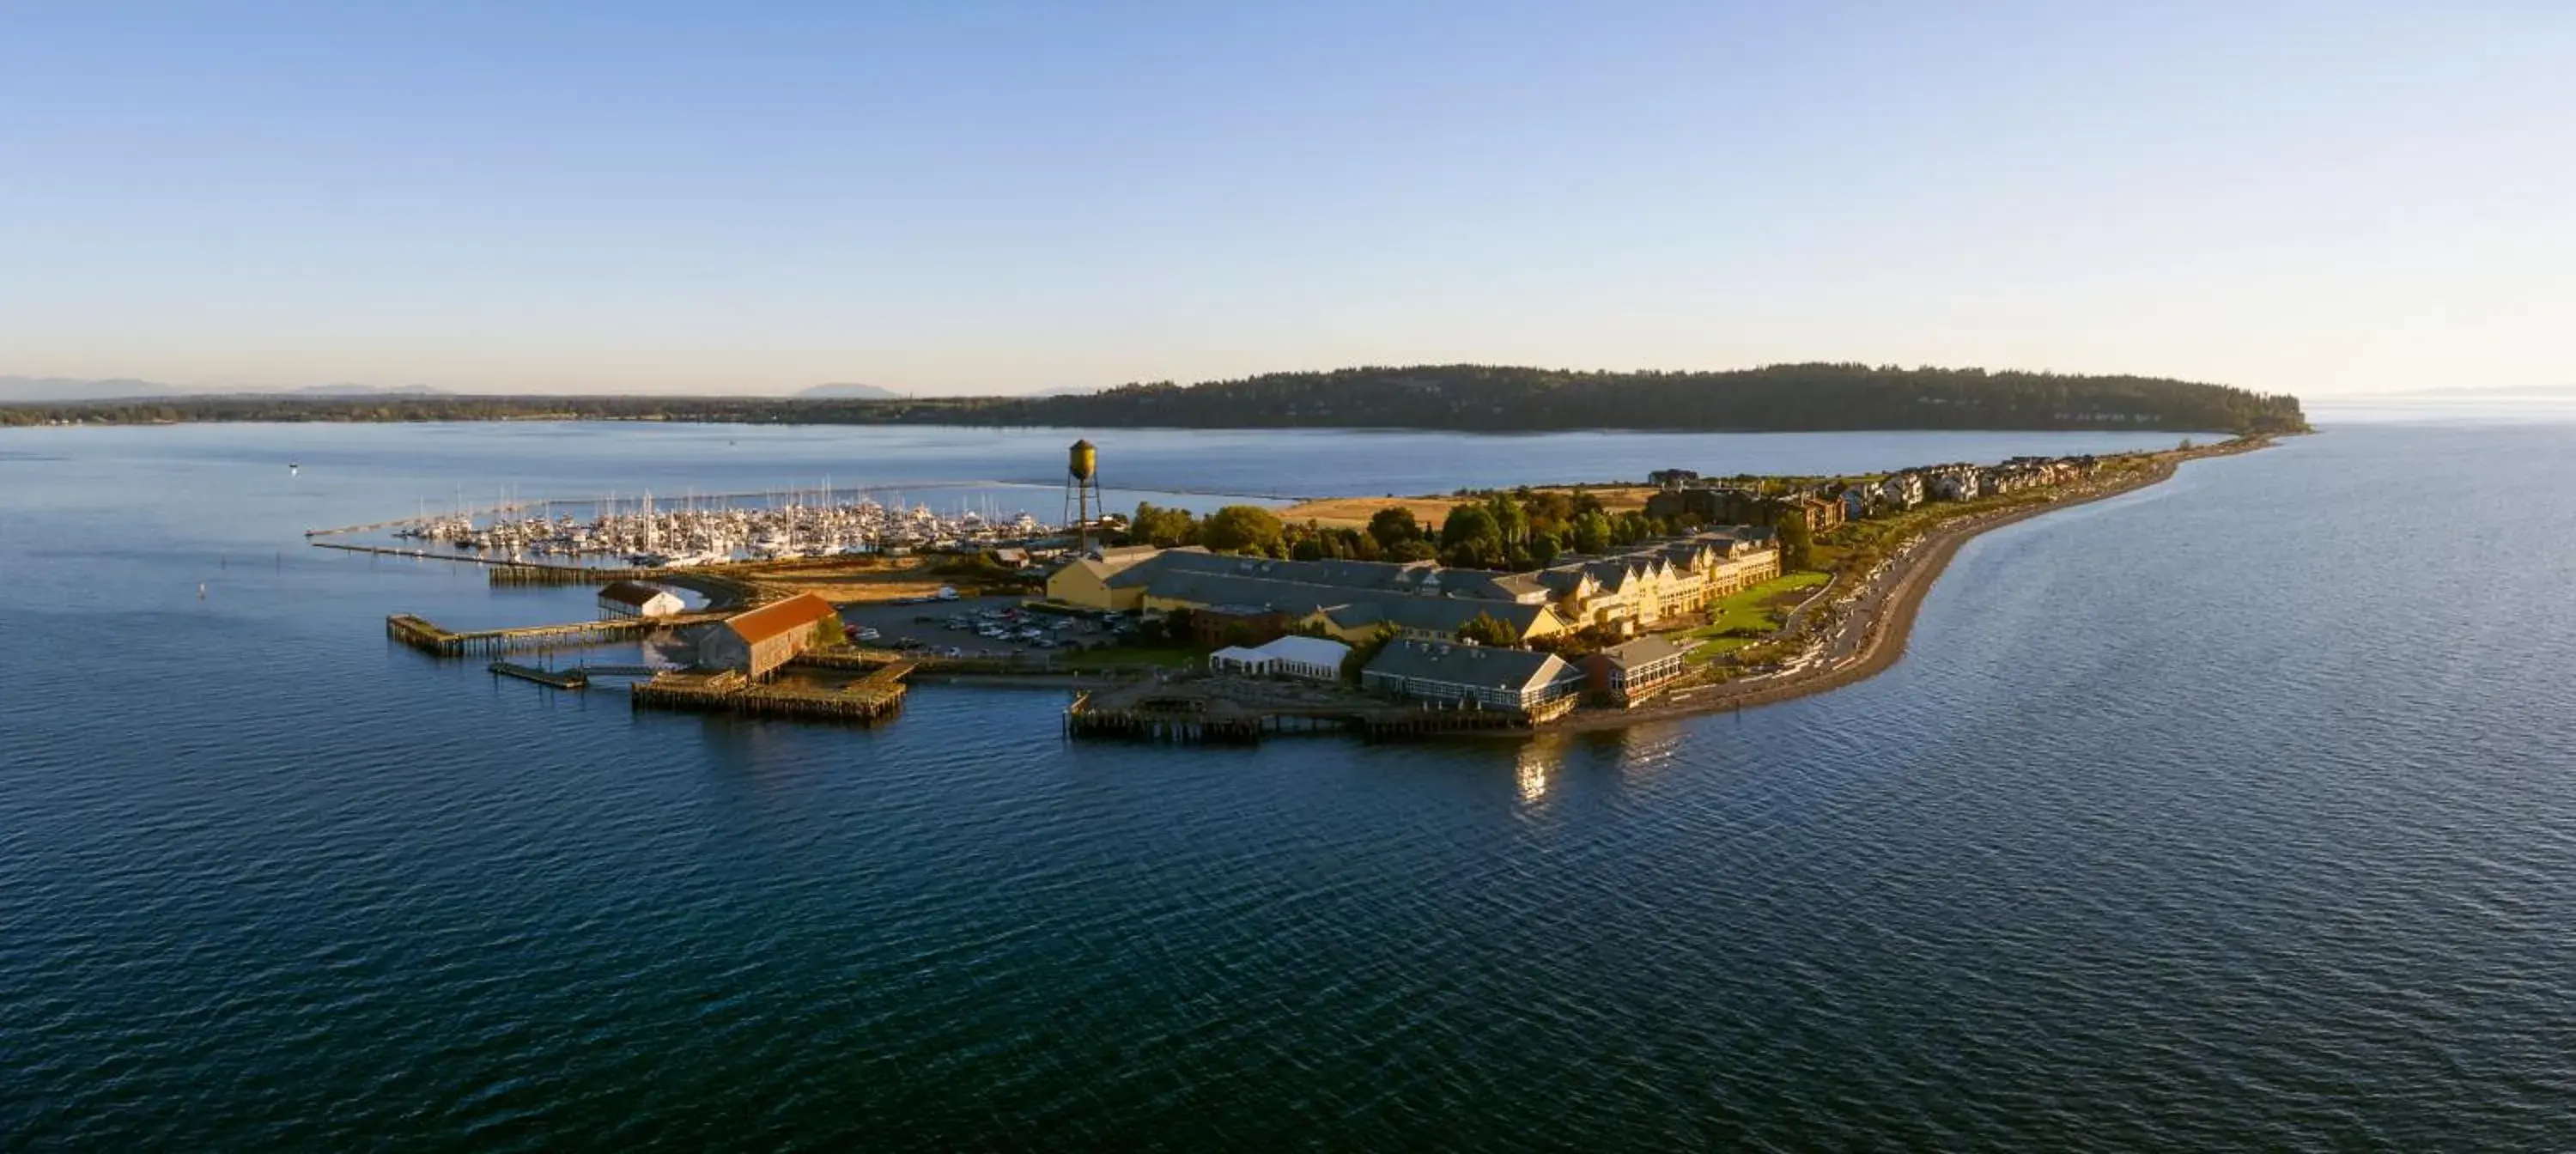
{"x": 1464, "y": 397}
{"x": 1779, "y": 397}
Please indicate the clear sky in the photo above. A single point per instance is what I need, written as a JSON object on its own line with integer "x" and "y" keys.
{"x": 951, "y": 197}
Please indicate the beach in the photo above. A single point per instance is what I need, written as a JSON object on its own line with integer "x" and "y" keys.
{"x": 1870, "y": 626}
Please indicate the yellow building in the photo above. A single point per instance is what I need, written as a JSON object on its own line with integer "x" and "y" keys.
{"x": 1092, "y": 582}
{"x": 1354, "y": 600}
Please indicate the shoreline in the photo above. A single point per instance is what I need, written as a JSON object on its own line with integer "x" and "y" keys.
{"x": 1867, "y": 631}
{"x": 1878, "y": 620}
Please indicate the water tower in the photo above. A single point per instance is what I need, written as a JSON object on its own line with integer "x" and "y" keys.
{"x": 1082, "y": 492}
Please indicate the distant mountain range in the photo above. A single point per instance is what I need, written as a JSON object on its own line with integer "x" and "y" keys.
{"x": 128, "y": 388}
{"x": 850, "y": 393}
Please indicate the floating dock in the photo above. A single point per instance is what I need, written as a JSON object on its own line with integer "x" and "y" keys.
{"x": 556, "y": 678}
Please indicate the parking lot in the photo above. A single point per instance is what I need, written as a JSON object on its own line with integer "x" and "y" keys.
{"x": 969, "y": 625}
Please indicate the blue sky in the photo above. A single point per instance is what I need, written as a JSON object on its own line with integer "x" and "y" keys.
{"x": 961, "y": 197}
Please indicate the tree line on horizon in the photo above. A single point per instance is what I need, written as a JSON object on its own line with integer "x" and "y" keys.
{"x": 1512, "y": 530}
{"x": 1474, "y": 398}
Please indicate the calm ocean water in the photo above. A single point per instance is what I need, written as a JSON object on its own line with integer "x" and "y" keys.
{"x": 2236, "y": 813}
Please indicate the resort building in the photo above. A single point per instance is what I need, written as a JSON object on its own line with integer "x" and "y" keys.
{"x": 1248, "y": 599}
{"x": 1362, "y": 619}
{"x": 637, "y": 599}
{"x": 1902, "y": 491}
{"x": 756, "y": 643}
{"x": 1475, "y": 676}
{"x": 1736, "y": 505}
{"x": 1858, "y": 501}
{"x": 1955, "y": 482}
{"x": 1818, "y": 510}
{"x": 1307, "y": 658}
{"x": 1627, "y": 674}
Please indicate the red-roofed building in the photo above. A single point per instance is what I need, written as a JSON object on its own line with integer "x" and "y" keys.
{"x": 758, "y": 642}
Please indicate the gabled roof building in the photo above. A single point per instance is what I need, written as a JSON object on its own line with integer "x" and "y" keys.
{"x": 757, "y": 642}
{"x": 1630, "y": 673}
{"x": 1472, "y": 676}
{"x": 637, "y": 599}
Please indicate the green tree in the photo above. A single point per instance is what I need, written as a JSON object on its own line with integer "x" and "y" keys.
{"x": 1403, "y": 552}
{"x": 1176, "y": 627}
{"x": 1511, "y": 521}
{"x": 1549, "y": 511}
{"x": 1480, "y": 554}
{"x": 1487, "y": 629}
{"x": 1470, "y": 524}
{"x": 1242, "y": 529}
{"x": 1632, "y": 527}
{"x": 1591, "y": 532}
{"x": 1393, "y": 525}
{"x": 1365, "y": 650}
{"x": 1543, "y": 550}
{"x": 1165, "y": 528}
{"x": 1797, "y": 545}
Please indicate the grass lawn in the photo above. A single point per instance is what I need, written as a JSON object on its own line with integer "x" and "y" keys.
{"x": 1751, "y": 612}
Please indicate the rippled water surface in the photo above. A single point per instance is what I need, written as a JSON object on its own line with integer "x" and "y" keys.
{"x": 2238, "y": 813}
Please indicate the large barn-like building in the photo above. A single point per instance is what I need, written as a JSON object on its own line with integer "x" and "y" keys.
{"x": 756, "y": 643}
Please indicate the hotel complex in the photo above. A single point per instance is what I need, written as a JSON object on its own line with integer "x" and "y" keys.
{"x": 1617, "y": 596}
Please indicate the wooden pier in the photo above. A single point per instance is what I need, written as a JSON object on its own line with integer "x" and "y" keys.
{"x": 869, "y": 699}
{"x": 1180, "y": 713}
{"x": 420, "y": 554}
{"x": 556, "y": 678}
{"x": 722, "y": 589}
{"x": 429, "y": 638}
{"x": 523, "y": 573}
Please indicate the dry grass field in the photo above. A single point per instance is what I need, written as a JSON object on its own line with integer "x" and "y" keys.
{"x": 1355, "y": 511}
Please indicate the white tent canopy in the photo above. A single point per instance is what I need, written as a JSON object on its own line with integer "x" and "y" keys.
{"x": 1313, "y": 658}
{"x": 1236, "y": 659}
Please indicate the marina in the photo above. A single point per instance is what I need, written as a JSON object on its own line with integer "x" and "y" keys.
{"x": 649, "y": 532}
